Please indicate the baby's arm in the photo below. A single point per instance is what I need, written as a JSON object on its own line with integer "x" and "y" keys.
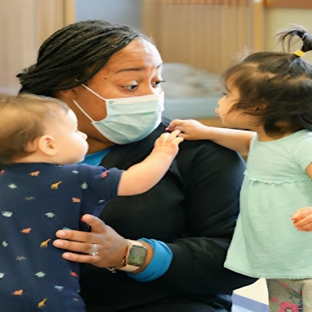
{"x": 141, "y": 177}
{"x": 237, "y": 140}
{"x": 302, "y": 218}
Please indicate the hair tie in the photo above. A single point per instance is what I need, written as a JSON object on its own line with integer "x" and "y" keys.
{"x": 299, "y": 53}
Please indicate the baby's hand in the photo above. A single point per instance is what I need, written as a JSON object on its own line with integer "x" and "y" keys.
{"x": 168, "y": 143}
{"x": 190, "y": 129}
{"x": 302, "y": 219}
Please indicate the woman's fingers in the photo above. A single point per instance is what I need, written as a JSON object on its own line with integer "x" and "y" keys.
{"x": 82, "y": 258}
{"x": 77, "y": 240}
{"x": 95, "y": 223}
{"x": 102, "y": 247}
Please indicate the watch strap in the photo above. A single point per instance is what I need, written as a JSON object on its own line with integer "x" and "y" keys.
{"x": 124, "y": 265}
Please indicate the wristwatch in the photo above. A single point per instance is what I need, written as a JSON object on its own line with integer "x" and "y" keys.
{"x": 134, "y": 258}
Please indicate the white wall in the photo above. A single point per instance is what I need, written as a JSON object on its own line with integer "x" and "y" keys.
{"x": 122, "y": 11}
{"x": 279, "y": 19}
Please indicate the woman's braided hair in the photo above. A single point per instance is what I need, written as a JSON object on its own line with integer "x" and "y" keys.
{"x": 74, "y": 54}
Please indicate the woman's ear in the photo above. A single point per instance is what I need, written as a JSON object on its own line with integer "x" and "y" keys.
{"x": 47, "y": 145}
{"x": 69, "y": 94}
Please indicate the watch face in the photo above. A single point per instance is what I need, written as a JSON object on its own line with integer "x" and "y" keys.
{"x": 137, "y": 255}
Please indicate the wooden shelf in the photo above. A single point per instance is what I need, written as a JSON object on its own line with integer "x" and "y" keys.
{"x": 213, "y": 122}
{"x": 289, "y": 4}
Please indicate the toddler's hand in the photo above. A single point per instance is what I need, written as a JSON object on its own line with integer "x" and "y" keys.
{"x": 302, "y": 219}
{"x": 190, "y": 129}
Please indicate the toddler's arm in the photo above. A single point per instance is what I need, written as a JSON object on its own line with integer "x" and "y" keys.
{"x": 141, "y": 177}
{"x": 302, "y": 219}
{"x": 237, "y": 140}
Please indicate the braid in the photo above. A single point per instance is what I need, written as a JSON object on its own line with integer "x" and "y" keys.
{"x": 74, "y": 54}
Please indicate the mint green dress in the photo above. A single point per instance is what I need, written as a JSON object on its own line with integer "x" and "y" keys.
{"x": 265, "y": 242}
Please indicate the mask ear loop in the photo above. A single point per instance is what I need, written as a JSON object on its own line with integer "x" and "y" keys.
{"x": 94, "y": 92}
{"x": 83, "y": 111}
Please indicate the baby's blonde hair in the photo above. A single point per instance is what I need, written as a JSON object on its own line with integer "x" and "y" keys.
{"x": 22, "y": 120}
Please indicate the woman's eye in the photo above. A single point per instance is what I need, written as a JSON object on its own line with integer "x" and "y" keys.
{"x": 224, "y": 94}
{"x": 131, "y": 87}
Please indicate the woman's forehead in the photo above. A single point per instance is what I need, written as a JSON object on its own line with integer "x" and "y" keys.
{"x": 138, "y": 54}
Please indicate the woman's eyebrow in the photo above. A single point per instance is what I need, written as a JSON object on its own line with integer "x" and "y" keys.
{"x": 129, "y": 69}
{"x": 134, "y": 69}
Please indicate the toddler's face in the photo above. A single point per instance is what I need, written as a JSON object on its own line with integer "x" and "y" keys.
{"x": 230, "y": 98}
{"x": 233, "y": 118}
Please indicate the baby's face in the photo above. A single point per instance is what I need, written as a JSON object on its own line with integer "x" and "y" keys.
{"x": 71, "y": 143}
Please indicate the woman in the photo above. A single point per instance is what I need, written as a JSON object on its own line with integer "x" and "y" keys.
{"x": 110, "y": 75}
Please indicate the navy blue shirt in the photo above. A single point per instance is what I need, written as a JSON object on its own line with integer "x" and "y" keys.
{"x": 37, "y": 199}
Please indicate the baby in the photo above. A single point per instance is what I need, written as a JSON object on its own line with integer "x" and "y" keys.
{"x": 43, "y": 190}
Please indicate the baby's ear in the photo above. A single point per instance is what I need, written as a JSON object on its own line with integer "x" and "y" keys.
{"x": 47, "y": 145}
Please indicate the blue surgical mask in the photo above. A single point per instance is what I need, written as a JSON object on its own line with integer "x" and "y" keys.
{"x": 129, "y": 119}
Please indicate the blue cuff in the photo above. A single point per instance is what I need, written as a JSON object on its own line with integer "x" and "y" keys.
{"x": 159, "y": 264}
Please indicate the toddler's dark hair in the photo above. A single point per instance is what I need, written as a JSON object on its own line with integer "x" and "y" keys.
{"x": 278, "y": 84}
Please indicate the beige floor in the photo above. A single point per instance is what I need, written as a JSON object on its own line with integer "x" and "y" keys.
{"x": 257, "y": 291}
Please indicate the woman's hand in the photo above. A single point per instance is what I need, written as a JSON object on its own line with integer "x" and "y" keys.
{"x": 302, "y": 219}
{"x": 111, "y": 246}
